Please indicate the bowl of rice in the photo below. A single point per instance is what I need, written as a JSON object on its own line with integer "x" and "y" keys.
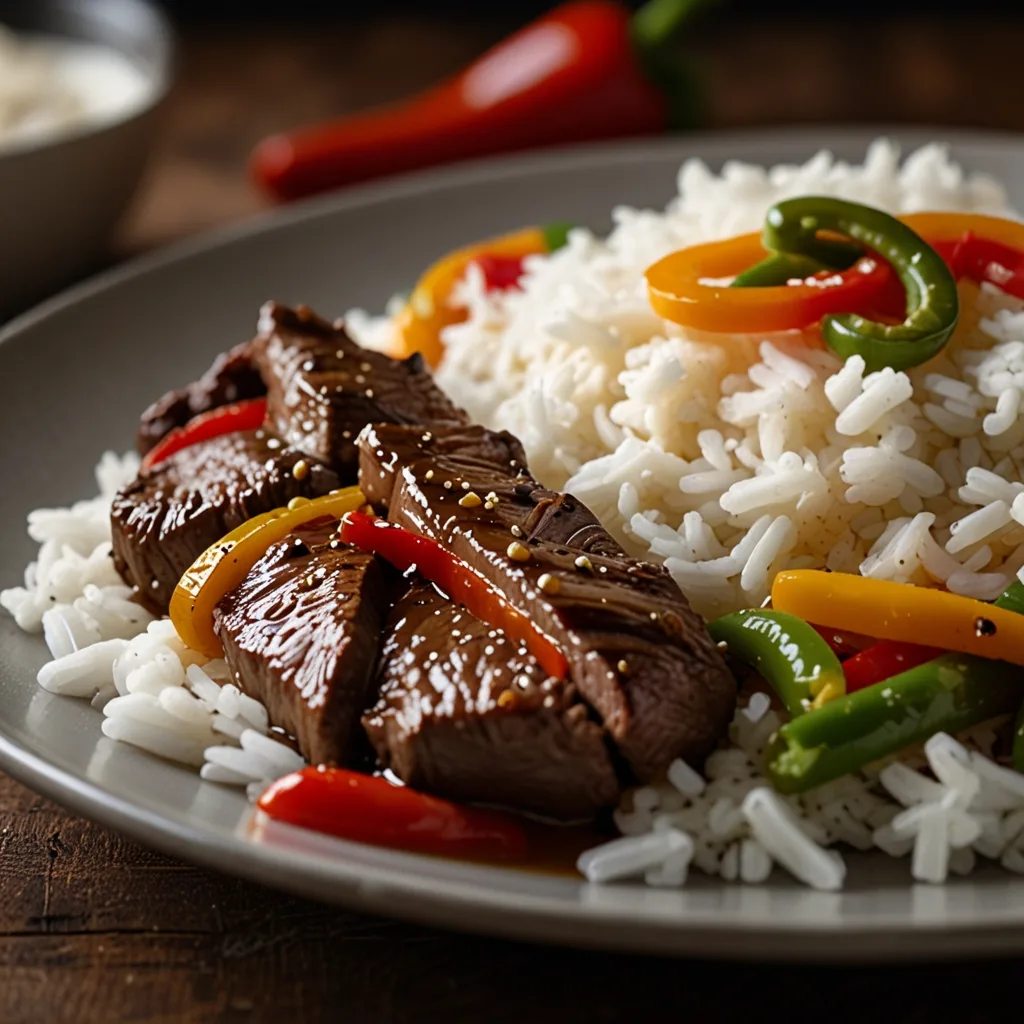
{"x": 80, "y": 88}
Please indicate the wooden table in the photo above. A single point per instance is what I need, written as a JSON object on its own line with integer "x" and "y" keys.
{"x": 94, "y": 928}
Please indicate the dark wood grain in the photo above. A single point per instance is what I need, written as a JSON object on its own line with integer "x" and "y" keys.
{"x": 94, "y": 928}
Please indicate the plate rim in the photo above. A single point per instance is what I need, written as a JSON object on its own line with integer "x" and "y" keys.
{"x": 457, "y": 905}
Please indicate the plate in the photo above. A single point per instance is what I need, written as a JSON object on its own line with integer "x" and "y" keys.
{"x": 76, "y": 372}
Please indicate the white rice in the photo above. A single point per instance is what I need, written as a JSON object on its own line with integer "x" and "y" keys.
{"x": 738, "y": 827}
{"x": 726, "y": 459}
{"x": 687, "y": 444}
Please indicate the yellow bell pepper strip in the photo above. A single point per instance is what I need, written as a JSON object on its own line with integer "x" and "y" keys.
{"x": 948, "y": 694}
{"x": 900, "y": 611}
{"x": 786, "y": 652}
{"x": 429, "y": 310}
{"x": 691, "y": 287}
{"x": 222, "y": 566}
{"x": 932, "y": 300}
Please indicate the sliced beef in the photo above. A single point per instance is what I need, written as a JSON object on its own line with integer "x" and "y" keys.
{"x": 301, "y": 634}
{"x": 323, "y": 388}
{"x": 638, "y": 653}
{"x": 232, "y": 378}
{"x": 463, "y": 714}
{"x": 494, "y": 457}
{"x": 166, "y": 518}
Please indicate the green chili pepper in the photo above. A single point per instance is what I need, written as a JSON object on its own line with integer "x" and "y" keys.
{"x": 780, "y": 267}
{"x": 944, "y": 695}
{"x": 933, "y": 304}
{"x": 790, "y": 655}
{"x": 1012, "y": 598}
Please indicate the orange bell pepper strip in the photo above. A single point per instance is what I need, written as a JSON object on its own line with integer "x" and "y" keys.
{"x": 429, "y": 308}
{"x": 901, "y": 611}
{"x": 951, "y": 227}
{"x": 691, "y": 287}
{"x": 222, "y": 566}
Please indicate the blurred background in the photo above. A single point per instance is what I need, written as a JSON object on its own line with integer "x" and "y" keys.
{"x": 250, "y": 67}
{"x": 246, "y": 69}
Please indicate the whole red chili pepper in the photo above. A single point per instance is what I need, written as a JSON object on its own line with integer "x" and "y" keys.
{"x": 588, "y": 70}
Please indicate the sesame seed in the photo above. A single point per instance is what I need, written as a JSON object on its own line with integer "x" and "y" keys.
{"x": 297, "y": 502}
{"x": 584, "y": 563}
{"x": 549, "y": 584}
{"x": 465, "y": 485}
{"x": 623, "y": 667}
{"x": 429, "y": 475}
{"x": 506, "y": 698}
{"x": 516, "y": 532}
{"x": 492, "y": 497}
{"x": 447, "y": 485}
{"x": 300, "y": 470}
{"x": 470, "y": 500}
{"x": 518, "y": 552}
{"x": 365, "y": 367}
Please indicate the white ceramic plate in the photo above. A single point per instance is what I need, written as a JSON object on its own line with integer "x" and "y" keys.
{"x": 74, "y": 376}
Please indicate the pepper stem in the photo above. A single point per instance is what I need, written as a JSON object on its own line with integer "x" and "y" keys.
{"x": 659, "y": 21}
{"x": 653, "y": 29}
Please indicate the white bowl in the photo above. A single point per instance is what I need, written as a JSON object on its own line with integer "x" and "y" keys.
{"x": 61, "y": 195}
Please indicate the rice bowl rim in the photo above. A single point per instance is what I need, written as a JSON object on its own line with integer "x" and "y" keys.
{"x": 771, "y": 925}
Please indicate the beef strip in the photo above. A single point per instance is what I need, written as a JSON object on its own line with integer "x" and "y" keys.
{"x": 232, "y": 378}
{"x": 559, "y": 519}
{"x": 638, "y": 653}
{"x": 301, "y": 634}
{"x": 323, "y": 388}
{"x": 167, "y": 517}
{"x": 463, "y": 714}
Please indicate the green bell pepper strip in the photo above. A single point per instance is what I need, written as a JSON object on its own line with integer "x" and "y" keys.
{"x": 1013, "y": 599}
{"x": 791, "y": 656}
{"x": 933, "y": 304}
{"x": 944, "y": 695}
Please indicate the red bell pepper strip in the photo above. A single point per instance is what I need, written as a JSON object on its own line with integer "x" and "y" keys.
{"x": 411, "y": 552}
{"x": 985, "y": 260}
{"x": 227, "y": 419}
{"x": 884, "y": 660}
{"x": 501, "y": 273}
{"x": 588, "y": 70}
{"x": 369, "y": 809}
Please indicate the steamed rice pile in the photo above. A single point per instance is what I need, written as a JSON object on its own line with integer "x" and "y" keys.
{"x": 730, "y": 458}
{"x": 727, "y": 459}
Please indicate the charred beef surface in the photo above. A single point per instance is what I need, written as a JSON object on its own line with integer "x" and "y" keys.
{"x": 232, "y": 378}
{"x": 323, "y": 388}
{"x": 166, "y": 518}
{"x": 463, "y": 714}
{"x": 638, "y": 653}
{"x": 301, "y": 634}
